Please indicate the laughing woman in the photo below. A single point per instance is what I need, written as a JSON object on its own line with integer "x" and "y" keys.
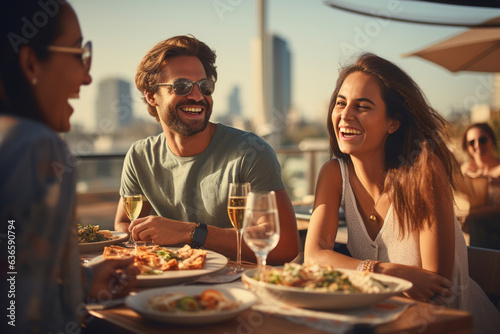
{"x": 40, "y": 69}
{"x": 391, "y": 172}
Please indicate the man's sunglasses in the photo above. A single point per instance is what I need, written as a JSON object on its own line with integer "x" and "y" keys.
{"x": 482, "y": 140}
{"x": 85, "y": 52}
{"x": 183, "y": 87}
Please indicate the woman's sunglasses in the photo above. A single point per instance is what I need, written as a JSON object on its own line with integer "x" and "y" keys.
{"x": 183, "y": 87}
{"x": 85, "y": 52}
{"x": 482, "y": 140}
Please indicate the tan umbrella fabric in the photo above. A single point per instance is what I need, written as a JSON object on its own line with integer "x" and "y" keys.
{"x": 477, "y": 49}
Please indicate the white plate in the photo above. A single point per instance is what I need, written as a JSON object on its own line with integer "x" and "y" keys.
{"x": 214, "y": 262}
{"x": 322, "y": 300}
{"x": 90, "y": 247}
{"x": 139, "y": 302}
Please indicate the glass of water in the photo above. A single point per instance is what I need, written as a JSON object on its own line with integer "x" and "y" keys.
{"x": 261, "y": 228}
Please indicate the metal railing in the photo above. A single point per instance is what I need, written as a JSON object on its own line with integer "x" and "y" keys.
{"x": 102, "y": 172}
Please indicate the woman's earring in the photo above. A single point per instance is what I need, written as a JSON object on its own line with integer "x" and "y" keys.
{"x": 34, "y": 81}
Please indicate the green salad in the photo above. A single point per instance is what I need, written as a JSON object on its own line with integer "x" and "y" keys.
{"x": 91, "y": 233}
{"x": 322, "y": 278}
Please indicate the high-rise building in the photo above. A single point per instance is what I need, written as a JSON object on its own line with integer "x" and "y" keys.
{"x": 271, "y": 59}
{"x": 234, "y": 114}
{"x": 282, "y": 82}
{"x": 114, "y": 108}
{"x": 272, "y": 85}
{"x": 261, "y": 62}
{"x": 262, "y": 87}
{"x": 234, "y": 102}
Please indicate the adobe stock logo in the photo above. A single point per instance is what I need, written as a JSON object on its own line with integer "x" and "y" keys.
{"x": 223, "y": 6}
{"x": 29, "y": 29}
{"x": 363, "y": 36}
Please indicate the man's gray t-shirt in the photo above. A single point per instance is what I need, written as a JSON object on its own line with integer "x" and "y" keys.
{"x": 195, "y": 188}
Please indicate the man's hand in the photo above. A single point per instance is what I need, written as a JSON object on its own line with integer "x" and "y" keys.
{"x": 161, "y": 231}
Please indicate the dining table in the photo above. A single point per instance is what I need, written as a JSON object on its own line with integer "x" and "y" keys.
{"x": 418, "y": 317}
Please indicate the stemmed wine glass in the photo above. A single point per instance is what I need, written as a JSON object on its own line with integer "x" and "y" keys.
{"x": 236, "y": 202}
{"x": 133, "y": 207}
{"x": 261, "y": 228}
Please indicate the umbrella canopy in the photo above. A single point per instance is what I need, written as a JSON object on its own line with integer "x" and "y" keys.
{"x": 477, "y": 49}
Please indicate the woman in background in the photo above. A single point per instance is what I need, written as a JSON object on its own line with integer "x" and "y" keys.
{"x": 391, "y": 173}
{"x": 42, "y": 66}
{"x": 479, "y": 142}
{"x": 481, "y": 186}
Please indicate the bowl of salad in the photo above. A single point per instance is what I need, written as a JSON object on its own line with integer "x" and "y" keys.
{"x": 92, "y": 239}
{"x": 323, "y": 287}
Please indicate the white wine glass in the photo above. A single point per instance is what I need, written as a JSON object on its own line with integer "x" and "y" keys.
{"x": 261, "y": 228}
{"x": 133, "y": 206}
{"x": 236, "y": 202}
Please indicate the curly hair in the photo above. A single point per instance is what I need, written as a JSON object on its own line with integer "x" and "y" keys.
{"x": 149, "y": 70}
{"x": 414, "y": 151}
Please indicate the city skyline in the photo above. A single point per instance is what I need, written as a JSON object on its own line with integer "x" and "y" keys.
{"x": 114, "y": 102}
{"x": 320, "y": 40}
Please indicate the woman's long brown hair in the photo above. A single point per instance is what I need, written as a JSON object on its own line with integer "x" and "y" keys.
{"x": 415, "y": 152}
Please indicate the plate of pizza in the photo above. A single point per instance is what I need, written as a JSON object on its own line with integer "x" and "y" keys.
{"x": 162, "y": 266}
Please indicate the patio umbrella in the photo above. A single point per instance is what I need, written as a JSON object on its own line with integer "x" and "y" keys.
{"x": 477, "y": 49}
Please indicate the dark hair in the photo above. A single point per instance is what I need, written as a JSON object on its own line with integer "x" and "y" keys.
{"x": 28, "y": 23}
{"x": 413, "y": 150}
{"x": 149, "y": 70}
{"x": 482, "y": 126}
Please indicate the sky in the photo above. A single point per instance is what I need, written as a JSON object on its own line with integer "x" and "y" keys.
{"x": 321, "y": 39}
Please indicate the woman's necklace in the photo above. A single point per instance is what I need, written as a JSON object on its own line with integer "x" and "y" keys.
{"x": 372, "y": 217}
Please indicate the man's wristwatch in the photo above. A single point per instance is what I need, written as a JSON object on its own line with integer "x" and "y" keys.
{"x": 199, "y": 235}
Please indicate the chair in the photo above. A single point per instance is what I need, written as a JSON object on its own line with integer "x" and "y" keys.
{"x": 484, "y": 268}
{"x": 484, "y": 228}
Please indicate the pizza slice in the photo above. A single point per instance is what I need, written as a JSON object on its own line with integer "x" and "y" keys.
{"x": 157, "y": 259}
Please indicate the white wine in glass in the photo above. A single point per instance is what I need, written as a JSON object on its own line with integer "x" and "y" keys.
{"x": 236, "y": 202}
{"x": 133, "y": 207}
{"x": 236, "y": 210}
{"x": 261, "y": 227}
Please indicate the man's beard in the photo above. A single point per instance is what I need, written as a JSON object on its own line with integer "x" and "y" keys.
{"x": 176, "y": 124}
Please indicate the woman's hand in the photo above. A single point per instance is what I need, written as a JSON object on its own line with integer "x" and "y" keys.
{"x": 113, "y": 278}
{"x": 473, "y": 173}
{"x": 427, "y": 286}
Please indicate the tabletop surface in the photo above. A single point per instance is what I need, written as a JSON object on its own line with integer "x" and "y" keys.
{"x": 418, "y": 318}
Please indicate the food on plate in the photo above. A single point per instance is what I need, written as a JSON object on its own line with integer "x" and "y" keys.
{"x": 91, "y": 233}
{"x": 154, "y": 260}
{"x": 208, "y": 300}
{"x": 323, "y": 278}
